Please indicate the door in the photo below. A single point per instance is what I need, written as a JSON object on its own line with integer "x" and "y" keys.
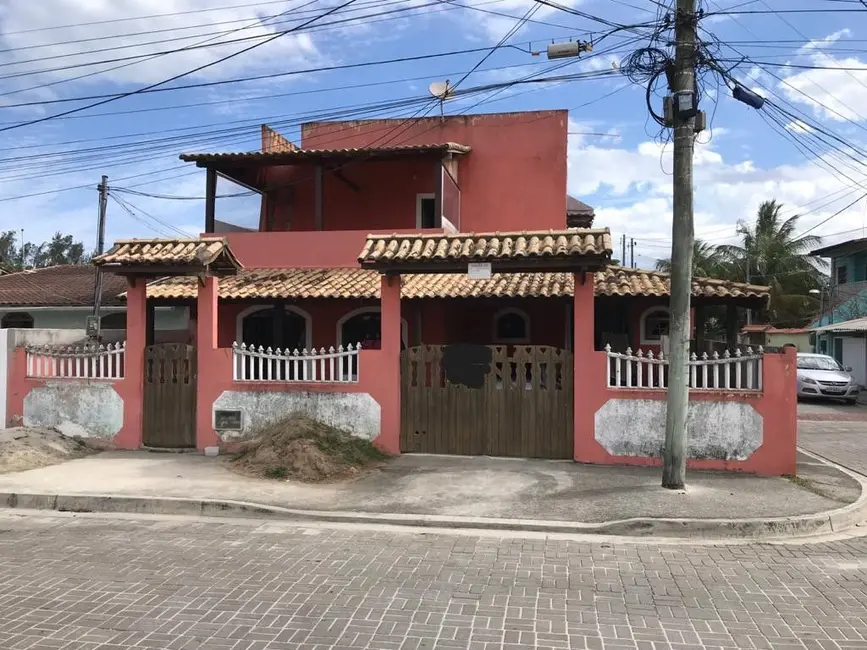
{"x": 169, "y": 416}
{"x": 484, "y": 400}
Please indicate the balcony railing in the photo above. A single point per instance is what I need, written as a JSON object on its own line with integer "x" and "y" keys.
{"x": 740, "y": 371}
{"x": 262, "y": 364}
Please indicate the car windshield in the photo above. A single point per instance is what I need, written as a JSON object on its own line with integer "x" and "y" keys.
{"x": 818, "y": 363}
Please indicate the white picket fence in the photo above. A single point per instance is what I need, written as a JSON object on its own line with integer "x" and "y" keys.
{"x": 76, "y": 361}
{"x": 264, "y": 364}
{"x": 741, "y": 371}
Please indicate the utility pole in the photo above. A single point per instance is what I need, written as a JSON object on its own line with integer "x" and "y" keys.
{"x": 632, "y": 253}
{"x": 623, "y": 249}
{"x": 23, "y": 249}
{"x": 682, "y": 236}
{"x": 100, "y": 249}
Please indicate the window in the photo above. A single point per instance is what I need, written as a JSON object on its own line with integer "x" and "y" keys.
{"x": 19, "y": 319}
{"x": 654, "y": 325}
{"x": 364, "y": 326}
{"x": 425, "y": 211}
{"x": 511, "y": 326}
{"x": 842, "y": 274}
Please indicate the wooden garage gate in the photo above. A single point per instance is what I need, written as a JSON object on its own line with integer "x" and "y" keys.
{"x": 487, "y": 400}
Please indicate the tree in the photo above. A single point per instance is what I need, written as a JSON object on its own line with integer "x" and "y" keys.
{"x": 707, "y": 261}
{"x": 60, "y": 249}
{"x": 771, "y": 254}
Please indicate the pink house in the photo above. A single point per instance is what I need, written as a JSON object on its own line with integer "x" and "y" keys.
{"x": 440, "y": 247}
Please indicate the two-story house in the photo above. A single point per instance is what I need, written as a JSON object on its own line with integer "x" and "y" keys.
{"x": 842, "y": 304}
{"x": 442, "y": 246}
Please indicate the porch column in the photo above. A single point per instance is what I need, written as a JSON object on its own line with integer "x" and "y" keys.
{"x": 731, "y": 327}
{"x": 700, "y": 320}
{"x": 210, "y": 200}
{"x": 131, "y": 389}
{"x": 206, "y": 345}
{"x": 588, "y": 378}
{"x": 389, "y": 403}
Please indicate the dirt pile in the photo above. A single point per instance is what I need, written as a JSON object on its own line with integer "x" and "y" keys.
{"x": 24, "y": 448}
{"x": 301, "y": 448}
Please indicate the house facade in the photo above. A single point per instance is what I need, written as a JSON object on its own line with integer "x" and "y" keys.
{"x": 61, "y": 297}
{"x": 844, "y": 300}
{"x": 416, "y": 283}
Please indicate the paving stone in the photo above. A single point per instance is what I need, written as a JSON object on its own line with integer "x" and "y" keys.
{"x": 122, "y": 584}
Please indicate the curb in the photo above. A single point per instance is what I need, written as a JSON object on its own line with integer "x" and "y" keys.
{"x": 831, "y": 521}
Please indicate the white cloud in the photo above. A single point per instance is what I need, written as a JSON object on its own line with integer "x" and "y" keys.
{"x": 630, "y": 188}
{"x": 18, "y": 20}
{"x": 832, "y": 90}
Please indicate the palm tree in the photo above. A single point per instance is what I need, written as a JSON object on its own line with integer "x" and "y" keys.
{"x": 772, "y": 254}
{"x": 707, "y": 261}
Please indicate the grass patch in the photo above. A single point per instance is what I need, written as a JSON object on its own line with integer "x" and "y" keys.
{"x": 299, "y": 447}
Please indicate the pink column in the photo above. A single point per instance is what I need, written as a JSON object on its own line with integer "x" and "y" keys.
{"x": 131, "y": 388}
{"x": 588, "y": 377}
{"x": 389, "y": 398}
{"x": 209, "y": 370}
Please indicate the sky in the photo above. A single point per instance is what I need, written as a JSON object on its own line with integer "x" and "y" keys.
{"x": 55, "y": 54}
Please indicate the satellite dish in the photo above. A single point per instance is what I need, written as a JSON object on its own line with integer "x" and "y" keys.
{"x": 441, "y": 89}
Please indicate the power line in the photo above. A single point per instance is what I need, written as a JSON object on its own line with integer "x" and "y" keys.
{"x": 180, "y": 75}
{"x": 208, "y": 84}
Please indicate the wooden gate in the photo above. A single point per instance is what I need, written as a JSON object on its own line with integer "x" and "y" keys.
{"x": 169, "y": 417}
{"x": 502, "y": 404}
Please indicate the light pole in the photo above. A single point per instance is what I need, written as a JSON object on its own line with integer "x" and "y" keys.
{"x": 821, "y": 294}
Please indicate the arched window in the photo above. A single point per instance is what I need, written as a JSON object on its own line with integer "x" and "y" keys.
{"x": 654, "y": 325}
{"x": 115, "y": 321}
{"x": 16, "y": 319}
{"x": 511, "y": 326}
{"x": 364, "y": 326}
{"x": 278, "y": 326}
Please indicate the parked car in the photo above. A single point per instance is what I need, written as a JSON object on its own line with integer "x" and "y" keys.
{"x": 822, "y": 376}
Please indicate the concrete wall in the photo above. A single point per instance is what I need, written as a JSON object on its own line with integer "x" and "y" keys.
{"x": 717, "y": 430}
{"x": 75, "y": 408}
{"x": 800, "y": 341}
{"x": 357, "y": 413}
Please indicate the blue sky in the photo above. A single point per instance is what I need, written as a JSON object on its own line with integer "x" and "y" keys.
{"x": 617, "y": 160}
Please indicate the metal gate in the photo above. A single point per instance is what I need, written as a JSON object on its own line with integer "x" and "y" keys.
{"x": 169, "y": 417}
{"x": 484, "y": 400}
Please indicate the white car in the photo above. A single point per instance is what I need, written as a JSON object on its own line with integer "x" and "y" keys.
{"x": 822, "y": 376}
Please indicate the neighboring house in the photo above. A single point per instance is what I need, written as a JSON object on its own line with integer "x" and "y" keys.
{"x": 441, "y": 246}
{"x": 844, "y": 300}
{"x": 769, "y": 336}
{"x": 61, "y": 297}
{"x": 578, "y": 213}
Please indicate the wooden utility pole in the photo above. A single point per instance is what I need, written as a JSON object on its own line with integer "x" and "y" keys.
{"x": 100, "y": 242}
{"x": 682, "y": 236}
{"x": 632, "y": 253}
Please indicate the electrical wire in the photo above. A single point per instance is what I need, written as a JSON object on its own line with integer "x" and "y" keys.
{"x": 179, "y": 75}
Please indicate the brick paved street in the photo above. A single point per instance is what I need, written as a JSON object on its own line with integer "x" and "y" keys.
{"x": 835, "y": 432}
{"x": 100, "y": 582}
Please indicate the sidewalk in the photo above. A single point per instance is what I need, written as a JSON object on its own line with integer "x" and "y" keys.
{"x": 437, "y": 490}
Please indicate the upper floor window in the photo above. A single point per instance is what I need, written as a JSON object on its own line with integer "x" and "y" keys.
{"x": 16, "y": 319}
{"x": 511, "y": 326}
{"x": 842, "y": 274}
{"x": 425, "y": 211}
{"x": 654, "y": 325}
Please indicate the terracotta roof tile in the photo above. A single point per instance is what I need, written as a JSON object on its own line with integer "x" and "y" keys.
{"x": 621, "y": 281}
{"x": 364, "y": 283}
{"x": 198, "y": 252}
{"x": 58, "y": 286}
{"x": 382, "y": 250}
